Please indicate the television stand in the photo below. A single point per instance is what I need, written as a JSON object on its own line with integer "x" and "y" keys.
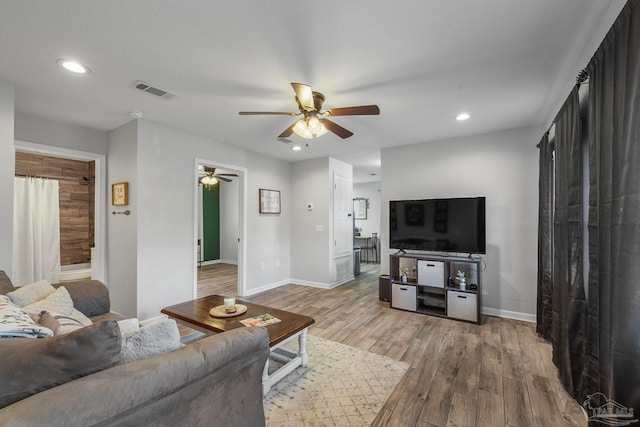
{"x": 431, "y": 286}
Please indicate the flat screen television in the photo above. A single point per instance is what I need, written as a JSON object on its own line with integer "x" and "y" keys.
{"x": 448, "y": 225}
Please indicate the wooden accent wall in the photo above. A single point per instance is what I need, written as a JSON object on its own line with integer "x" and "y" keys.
{"x": 77, "y": 194}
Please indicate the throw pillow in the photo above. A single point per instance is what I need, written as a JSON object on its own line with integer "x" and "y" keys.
{"x": 61, "y": 324}
{"x": 15, "y": 322}
{"x": 30, "y": 366}
{"x": 149, "y": 341}
{"x": 29, "y": 294}
{"x": 59, "y": 301}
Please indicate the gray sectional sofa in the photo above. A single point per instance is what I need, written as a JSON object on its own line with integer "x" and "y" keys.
{"x": 214, "y": 381}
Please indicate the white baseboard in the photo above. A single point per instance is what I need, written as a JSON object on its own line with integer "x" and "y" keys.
{"x": 219, "y": 261}
{"x": 526, "y": 317}
{"x": 275, "y": 285}
{"x": 320, "y": 284}
{"x": 267, "y": 287}
{"x": 153, "y": 320}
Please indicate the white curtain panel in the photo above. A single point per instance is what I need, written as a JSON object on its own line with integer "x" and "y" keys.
{"x": 36, "y": 231}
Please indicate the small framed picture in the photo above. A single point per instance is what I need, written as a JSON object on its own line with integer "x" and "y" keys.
{"x": 269, "y": 201}
{"x": 360, "y": 205}
{"x": 120, "y": 194}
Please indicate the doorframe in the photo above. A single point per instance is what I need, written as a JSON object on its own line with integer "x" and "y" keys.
{"x": 100, "y": 206}
{"x": 242, "y": 225}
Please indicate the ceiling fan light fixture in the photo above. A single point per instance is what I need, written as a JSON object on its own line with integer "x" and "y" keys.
{"x": 301, "y": 129}
{"x": 314, "y": 124}
{"x": 322, "y": 130}
{"x": 209, "y": 180}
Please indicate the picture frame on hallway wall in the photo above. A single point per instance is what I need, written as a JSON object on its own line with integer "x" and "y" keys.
{"x": 269, "y": 201}
{"x": 360, "y": 205}
{"x": 120, "y": 194}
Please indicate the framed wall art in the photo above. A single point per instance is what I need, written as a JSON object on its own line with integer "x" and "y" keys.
{"x": 269, "y": 201}
{"x": 360, "y": 205}
{"x": 120, "y": 194}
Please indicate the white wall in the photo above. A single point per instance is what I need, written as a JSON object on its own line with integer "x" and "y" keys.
{"x": 166, "y": 164}
{"x": 229, "y": 220}
{"x": 65, "y": 135}
{"x": 122, "y": 242}
{"x": 371, "y": 191}
{"x": 502, "y": 166}
{"x": 7, "y": 171}
{"x": 310, "y": 254}
{"x": 268, "y": 235}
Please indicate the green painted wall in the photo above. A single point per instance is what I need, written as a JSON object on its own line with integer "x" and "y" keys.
{"x": 211, "y": 222}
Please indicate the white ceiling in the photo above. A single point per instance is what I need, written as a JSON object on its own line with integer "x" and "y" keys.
{"x": 421, "y": 61}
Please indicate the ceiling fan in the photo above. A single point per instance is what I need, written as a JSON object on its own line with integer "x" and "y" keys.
{"x": 208, "y": 176}
{"x": 315, "y": 122}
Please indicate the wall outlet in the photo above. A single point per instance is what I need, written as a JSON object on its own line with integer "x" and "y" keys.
{"x": 263, "y": 266}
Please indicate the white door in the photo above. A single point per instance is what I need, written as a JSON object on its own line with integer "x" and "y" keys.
{"x": 342, "y": 205}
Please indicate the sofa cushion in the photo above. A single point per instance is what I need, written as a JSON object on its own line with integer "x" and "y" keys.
{"x": 150, "y": 340}
{"x": 28, "y": 294}
{"x": 15, "y": 322}
{"x": 30, "y": 366}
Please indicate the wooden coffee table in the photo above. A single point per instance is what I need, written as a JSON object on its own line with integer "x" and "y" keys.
{"x": 195, "y": 314}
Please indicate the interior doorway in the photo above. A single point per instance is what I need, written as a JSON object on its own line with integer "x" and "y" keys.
{"x": 220, "y": 224}
{"x": 98, "y": 254}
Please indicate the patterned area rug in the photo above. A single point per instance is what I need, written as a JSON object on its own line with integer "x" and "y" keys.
{"x": 341, "y": 386}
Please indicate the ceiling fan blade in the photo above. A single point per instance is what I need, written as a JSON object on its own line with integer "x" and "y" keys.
{"x": 287, "y": 132}
{"x": 224, "y": 179}
{"x": 270, "y": 113}
{"x": 304, "y": 94}
{"x": 337, "y": 129}
{"x": 225, "y": 174}
{"x": 209, "y": 169}
{"x": 362, "y": 110}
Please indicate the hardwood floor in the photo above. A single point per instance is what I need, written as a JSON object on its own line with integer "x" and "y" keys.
{"x": 495, "y": 374}
{"x": 218, "y": 279}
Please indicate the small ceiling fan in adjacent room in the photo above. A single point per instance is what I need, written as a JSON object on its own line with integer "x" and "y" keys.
{"x": 315, "y": 122}
{"x": 207, "y": 176}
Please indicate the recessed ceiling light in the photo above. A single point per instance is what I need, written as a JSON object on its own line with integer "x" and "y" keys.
{"x": 73, "y": 66}
{"x": 296, "y": 148}
{"x": 462, "y": 116}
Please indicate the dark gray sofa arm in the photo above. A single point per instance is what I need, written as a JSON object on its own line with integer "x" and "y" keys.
{"x": 91, "y": 297}
{"x": 214, "y": 381}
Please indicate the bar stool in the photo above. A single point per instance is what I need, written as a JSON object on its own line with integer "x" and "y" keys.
{"x": 371, "y": 245}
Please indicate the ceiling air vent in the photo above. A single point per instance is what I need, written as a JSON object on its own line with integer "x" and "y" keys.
{"x": 146, "y": 87}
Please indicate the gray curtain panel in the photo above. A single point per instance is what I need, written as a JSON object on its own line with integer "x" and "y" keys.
{"x": 545, "y": 239}
{"x": 569, "y": 311}
{"x": 614, "y": 213}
